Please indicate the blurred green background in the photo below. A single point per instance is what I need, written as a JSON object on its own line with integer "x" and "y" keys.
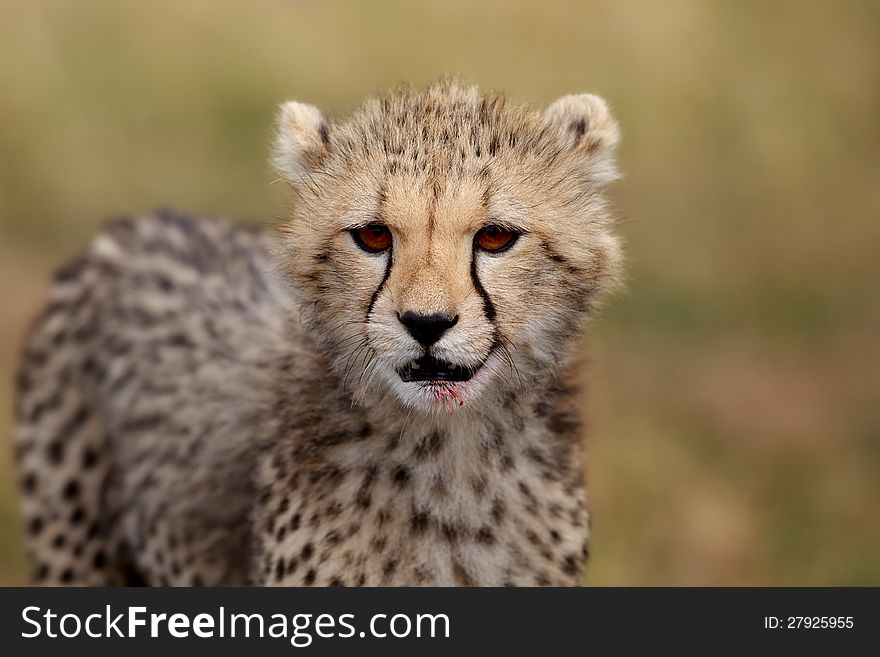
{"x": 734, "y": 391}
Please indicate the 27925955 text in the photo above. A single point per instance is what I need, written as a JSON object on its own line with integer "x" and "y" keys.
{"x": 809, "y": 622}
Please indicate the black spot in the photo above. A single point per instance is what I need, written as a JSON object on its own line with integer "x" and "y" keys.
{"x": 55, "y": 452}
{"x": 363, "y": 498}
{"x": 42, "y": 572}
{"x": 400, "y": 475}
{"x": 310, "y": 577}
{"x": 29, "y": 482}
{"x": 180, "y": 340}
{"x": 99, "y": 560}
{"x": 421, "y": 574}
{"x": 479, "y": 483}
{"x": 89, "y": 458}
{"x": 389, "y": 567}
{"x": 59, "y": 541}
{"x": 67, "y": 576}
{"x": 579, "y": 128}
{"x": 58, "y": 339}
{"x": 295, "y": 521}
{"x": 324, "y": 132}
{"x": 485, "y": 536}
{"x": 449, "y": 531}
{"x": 35, "y": 526}
{"x": 74, "y": 423}
{"x": 527, "y": 493}
{"x": 570, "y": 565}
{"x": 89, "y": 366}
{"x": 141, "y": 423}
{"x": 71, "y": 490}
{"x": 498, "y": 510}
{"x": 419, "y": 522}
{"x": 307, "y": 551}
{"x": 393, "y": 442}
{"x": 77, "y": 516}
{"x": 71, "y": 270}
{"x": 165, "y": 284}
{"x": 429, "y": 445}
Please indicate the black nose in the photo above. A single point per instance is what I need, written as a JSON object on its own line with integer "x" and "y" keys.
{"x": 427, "y": 329}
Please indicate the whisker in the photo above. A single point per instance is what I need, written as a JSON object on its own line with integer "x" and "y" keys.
{"x": 351, "y": 360}
{"x": 370, "y": 366}
{"x": 511, "y": 363}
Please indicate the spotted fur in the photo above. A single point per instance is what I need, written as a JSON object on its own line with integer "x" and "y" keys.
{"x": 205, "y": 404}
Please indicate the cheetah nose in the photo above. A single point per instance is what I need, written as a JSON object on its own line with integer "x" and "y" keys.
{"x": 426, "y": 329}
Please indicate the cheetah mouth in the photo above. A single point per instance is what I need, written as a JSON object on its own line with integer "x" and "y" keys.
{"x": 430, "y": 369}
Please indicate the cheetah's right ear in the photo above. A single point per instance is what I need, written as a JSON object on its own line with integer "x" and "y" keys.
{"x": 302, "y": 140}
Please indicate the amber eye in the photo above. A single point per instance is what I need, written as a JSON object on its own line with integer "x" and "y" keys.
{"x": 373, "y": 238}
{"x": 495, "y": 239}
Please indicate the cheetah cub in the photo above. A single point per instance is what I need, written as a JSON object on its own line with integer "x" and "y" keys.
{"x": 381, "y": 392}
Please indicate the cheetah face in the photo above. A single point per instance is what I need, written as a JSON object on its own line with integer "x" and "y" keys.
{"x": 446, "y": 248}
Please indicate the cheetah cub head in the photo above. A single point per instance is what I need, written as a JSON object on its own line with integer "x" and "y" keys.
{"x": 446, "y": 247}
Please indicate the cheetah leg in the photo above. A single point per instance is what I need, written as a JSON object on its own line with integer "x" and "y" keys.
{"x": 63, "y": 465}
{"x": 62, "y": 473}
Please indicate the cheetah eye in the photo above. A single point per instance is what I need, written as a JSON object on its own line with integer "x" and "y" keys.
{"x": 372, "y": 238}
{"x": 495, "y": 239}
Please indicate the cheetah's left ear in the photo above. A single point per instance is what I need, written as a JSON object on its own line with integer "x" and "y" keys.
{"x": 585, "y": 125}
{"x": 302, "y": 140}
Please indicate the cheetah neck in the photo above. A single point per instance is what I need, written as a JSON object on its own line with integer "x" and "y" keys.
{"x": 358, "y": 496}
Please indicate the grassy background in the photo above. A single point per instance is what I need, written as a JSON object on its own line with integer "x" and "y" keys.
{"x": 735, "y": 389}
